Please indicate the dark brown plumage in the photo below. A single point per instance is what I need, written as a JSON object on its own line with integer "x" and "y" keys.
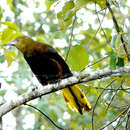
{"x": 48, "y": 66}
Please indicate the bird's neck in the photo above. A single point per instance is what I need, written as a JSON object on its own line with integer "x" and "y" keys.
{"x": 26, "y": 47}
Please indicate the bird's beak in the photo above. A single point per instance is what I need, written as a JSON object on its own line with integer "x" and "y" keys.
{"x": 11, "y": 43}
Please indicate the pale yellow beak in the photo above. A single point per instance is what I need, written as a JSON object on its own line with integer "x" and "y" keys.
{"x": 11, "y": 43}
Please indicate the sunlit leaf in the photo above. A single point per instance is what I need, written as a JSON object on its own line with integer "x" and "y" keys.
{"x": 1, "y": 13}
{"x": 9, "y": 2}
{"x": 101, "y": 3}
{"x": 65, "y": 16}
{"x": 95, "y": 91}
{"x": 78, "y": 58}
{"x": 82, "y": 3}
{"x": 7, "y": 35}
{"x": 49, "y": 3}
{"x": 10, "y": 25}
{"x": 68, "y": 15}
{"x": 9, "y": 56}
{"x": 68, "y": 5}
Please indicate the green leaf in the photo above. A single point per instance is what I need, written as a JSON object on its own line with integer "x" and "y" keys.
{"x": 10, "y": 25}
{"x": 78, "y": 58}
{"x": 68, "y": 15}
{"x": 101, "y": 3}
{"x": 68, "y": 5}
{"x": 9, "y": 2}
{"x": 113, "y": 63}
{"x": 95, "y": 91}
{"x": 7, "y": 35}
{"x": 2, "y": 58}
{"x": 1, "y": 13}
{"x": 127, "y": 81}
{"x": 113, "y": 59}
{"x": 65, "y": 16}
{"x": 120, "y": 62}
{"x": 9, "y": 56}
{"x": 49, "y": 3}
{"x": 2, "y": 93}
{"x": 115, "y": 40}
{"x": 82, "y": 3}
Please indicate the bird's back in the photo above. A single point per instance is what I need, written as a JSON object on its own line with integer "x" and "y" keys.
{"x": 46, "y": 63}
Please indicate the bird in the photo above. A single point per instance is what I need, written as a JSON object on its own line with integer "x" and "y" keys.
{"x": 49, "y": 67}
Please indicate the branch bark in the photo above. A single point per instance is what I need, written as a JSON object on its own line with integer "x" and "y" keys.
{"x": 75, "y": 79}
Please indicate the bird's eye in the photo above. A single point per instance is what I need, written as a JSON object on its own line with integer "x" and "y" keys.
{"x": 17, "y": 40}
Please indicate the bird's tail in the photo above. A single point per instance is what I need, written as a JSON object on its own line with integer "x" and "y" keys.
{"x": 76, "y": 99}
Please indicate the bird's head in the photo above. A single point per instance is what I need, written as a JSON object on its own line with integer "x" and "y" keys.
{"x": 22, "y": 43}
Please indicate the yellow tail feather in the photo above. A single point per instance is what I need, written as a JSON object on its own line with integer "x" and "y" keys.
{"x": 76, "y": 99}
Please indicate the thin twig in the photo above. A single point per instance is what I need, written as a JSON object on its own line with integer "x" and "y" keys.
{"x": 94, "y": 63}
{"x": 114, "y": 96}
{"x": 119, "y": 75}
{"x": 128, "y": 116}
{"x": 99, "y": 10}
{"x": 112, "y": 89}
{"x": 57, "y": 2}
{"x": 101, "y": 21}
{"x": 119, "y": 122}
{"x": 123, "y": 112}
{"x": 122, "y": 15}
{"x": 97, "y": 102}
{"x": 45, "y": 116}
{"x": 97, "y": 30}
{"x": 71, "y": 37}
{"x": 118, "y": 107}
{"x": 119, "y": 31}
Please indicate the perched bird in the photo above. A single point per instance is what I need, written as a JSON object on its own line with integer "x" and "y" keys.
{"x": 48, "y": 66}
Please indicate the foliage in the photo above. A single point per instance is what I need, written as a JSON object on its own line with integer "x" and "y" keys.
{"x": 92, "y": 40}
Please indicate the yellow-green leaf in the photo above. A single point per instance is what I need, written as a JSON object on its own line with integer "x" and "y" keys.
{"x": 68, "y": 5}
{"x": 7, "y": 35}
{"x": 49, "y": 3}
{"x": 9, "y": 2}
{"x": 9, "y": 56}
{"x": 127, "y": 81}
{"x": 1, "y": 13}
{"x": 82, "y": 3}
{"x": 101, "y": 3}
{"x": 95, "y": 91}
{"x": 10, "y": 25}
{"x": 66, "y": 15}
{"x": 78, "y": 58}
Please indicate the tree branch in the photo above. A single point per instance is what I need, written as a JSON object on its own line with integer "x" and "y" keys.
{"x": 75, "y": 79}
{"x": 118, "y": 29}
